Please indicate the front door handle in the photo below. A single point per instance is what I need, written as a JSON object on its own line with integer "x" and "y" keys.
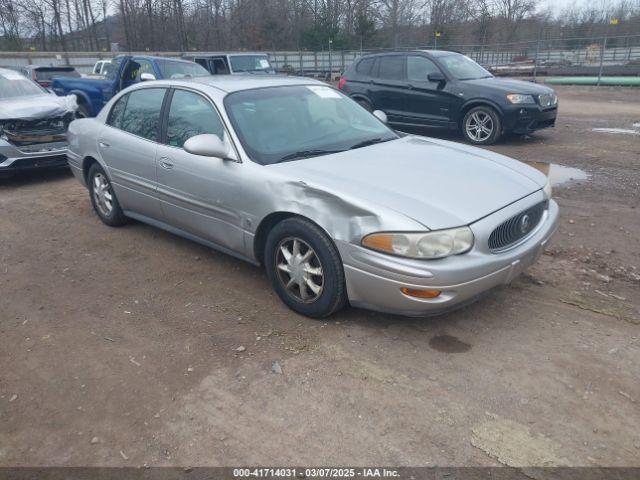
{"x": 166, "y": 164}
{"x": 104, "y": 144}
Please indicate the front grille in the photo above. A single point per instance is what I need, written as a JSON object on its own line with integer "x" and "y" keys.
{"x": 517, "y": 227}
{"x": 30, "y": 132}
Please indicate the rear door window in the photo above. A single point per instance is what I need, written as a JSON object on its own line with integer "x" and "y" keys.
{"x": 365, "y": 65}
{"x": 391, "y": 67}
{"x": 117, "y": 111}
{"x": 142, "y": 113}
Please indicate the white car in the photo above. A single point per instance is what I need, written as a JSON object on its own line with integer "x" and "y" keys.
{"x": 100, "y": 68}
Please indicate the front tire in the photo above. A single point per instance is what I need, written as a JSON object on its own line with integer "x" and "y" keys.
{"x": 305, "y": 269}
{"x": 103, "y": 198}
{"x": 481, "y": 126}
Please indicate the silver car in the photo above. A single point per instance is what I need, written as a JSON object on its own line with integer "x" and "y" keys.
{"x": 291, "y": 174}
{"x": 33, "y": 125}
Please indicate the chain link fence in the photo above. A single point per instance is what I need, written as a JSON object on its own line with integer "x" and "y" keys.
{"x": 618, "y": 55}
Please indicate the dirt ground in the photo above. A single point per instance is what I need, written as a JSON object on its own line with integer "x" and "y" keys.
{"x": 119, "y": 346}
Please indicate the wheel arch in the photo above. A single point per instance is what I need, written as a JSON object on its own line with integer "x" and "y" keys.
{"x": 359, "y": 96}
{"x": 83, "y": 99}
{"x": 478, "y": 102}
{"x": 270, "y": 221}
{"x": 86, "y": 164}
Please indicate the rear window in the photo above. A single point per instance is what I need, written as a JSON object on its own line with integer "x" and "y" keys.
{"x": 14, "y": 85}
{"x": 49, "y": 73}
{"x": 391, "y": 68}
{"x": 365, "y": 65}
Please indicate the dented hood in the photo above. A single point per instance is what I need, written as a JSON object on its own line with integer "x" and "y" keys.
{"x": 36, "y": 107}
{"x": 440, "y": 184}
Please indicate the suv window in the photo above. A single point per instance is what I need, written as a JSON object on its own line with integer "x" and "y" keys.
{"x": 364, "y": 66}
{"x": 419, "y": 68}
{"x": 220, "y": 66}
{"x": 142, "y": 113}
{"x": 391, "y": 67}
{"x": 191, "y": 114}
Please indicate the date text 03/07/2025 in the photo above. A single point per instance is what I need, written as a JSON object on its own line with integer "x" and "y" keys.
{"x": 314, "y": 472}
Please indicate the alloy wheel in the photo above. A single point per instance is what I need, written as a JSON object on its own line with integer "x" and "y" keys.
{"x": 479, "y": 126}
{"x": 102, "y": 194}
{"x": 299, "y": 269}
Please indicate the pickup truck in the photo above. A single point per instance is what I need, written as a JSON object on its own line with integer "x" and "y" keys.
{"x": 124, "y": 71}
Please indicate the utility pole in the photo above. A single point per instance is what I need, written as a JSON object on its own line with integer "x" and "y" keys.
{"x": 535, "y": 64}
{"x": 330, "y": 66}
{"x": 612, "y": 21}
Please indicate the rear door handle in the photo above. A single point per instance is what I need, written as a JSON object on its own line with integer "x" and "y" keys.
{"x": 104, "y": 144}
{"x": 166, "y": 164}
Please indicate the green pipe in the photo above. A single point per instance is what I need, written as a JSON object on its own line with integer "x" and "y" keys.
{"x": 620, "y": 81}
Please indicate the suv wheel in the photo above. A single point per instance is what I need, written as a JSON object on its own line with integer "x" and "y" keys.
{"x": 481, "y": 126}
{"x": 305, "y": 269}
{"x": 103, "y": 198}
{"x": 366, "y": 105}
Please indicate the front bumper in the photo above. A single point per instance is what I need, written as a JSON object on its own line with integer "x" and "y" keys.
{"x": 15, "y": 159}
{"x": 374, "y": 279}
{"x": 523, "y": 119}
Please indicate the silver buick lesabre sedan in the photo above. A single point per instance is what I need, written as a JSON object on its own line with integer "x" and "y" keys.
{"x": 291, "y": 174}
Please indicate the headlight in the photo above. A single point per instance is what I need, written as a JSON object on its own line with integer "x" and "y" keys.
{"x": 547, "y": 190}
{"x": 518, "y": 98}
{"x": 428, "y": 245}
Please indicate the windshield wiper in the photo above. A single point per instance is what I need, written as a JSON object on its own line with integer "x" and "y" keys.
{"x": 307, "y": 153}
{"x": 371, "y": 141}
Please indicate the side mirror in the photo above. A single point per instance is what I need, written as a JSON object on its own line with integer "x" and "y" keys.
{"x": 380, "y": 115}
{"x": 147, "y": 77}
{"x": 436, "y": 77}
{"x": 207, "y": 145}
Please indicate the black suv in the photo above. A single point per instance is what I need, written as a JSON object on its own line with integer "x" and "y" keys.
{"x": 440, "y": 89}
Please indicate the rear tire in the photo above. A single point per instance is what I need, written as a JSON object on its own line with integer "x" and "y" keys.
{"x": 304, "y": 268}
{"x": 103, "y": 198}
{"x": 481, "y": 126}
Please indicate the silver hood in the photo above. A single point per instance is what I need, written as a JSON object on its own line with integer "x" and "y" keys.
{"x": 437, "y": 183}
{"x": 37, "y": 106}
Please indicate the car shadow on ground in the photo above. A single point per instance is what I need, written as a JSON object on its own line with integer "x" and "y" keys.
{"x": 20, "y": 179}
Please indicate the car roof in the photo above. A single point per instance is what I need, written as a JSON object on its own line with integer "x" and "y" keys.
{"x": 219, "y": 54}
{"x": 151, "y": 57}
{"x": 235, "y": 83}
{"x": 36, "y": 67}
{"x": 433, "y": 53}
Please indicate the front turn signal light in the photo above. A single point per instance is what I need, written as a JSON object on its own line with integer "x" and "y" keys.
{"x": 419, "y": 293}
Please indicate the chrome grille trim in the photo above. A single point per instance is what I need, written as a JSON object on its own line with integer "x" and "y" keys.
{"x": 512, "y": 231}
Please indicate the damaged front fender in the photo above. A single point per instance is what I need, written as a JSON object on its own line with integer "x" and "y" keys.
{"x": 343, "y": 218}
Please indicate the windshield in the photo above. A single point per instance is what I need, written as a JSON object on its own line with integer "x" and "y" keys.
{"x": 278, "y": 124}
{"x": 463, "y": 68}
{"x": 14, "y": 85}
{"x": 173, "y": 69}
{"x": 250, "y": 63}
